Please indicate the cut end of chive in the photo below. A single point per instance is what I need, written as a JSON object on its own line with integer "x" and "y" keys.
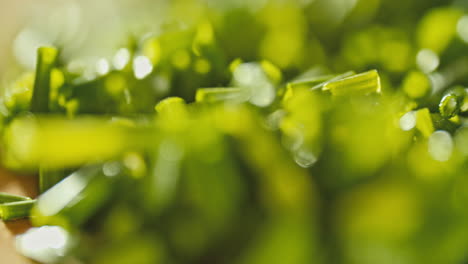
{"x": 46, "y": 58}
{"x": 364, "y": 83}
{"x": 47, "y": 55}
{"x": 212, "y": 95}
{"x": 449, "y": 106}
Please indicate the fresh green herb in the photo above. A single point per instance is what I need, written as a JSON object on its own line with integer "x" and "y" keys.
{"x": 46, "y": 59}
{"x": 14, "y": 210}
{"x": 321, "y": 124}
{"x": 453, "y": 102}
{"x": 211, "y": 95}
{"x": 6, "y": 198}
{"x": 360, "y": 83}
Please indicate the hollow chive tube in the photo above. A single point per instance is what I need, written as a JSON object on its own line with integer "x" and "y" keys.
{"x": 46, "y": 59}
{"x": 220, "y": 94}
{"x": 16, "y": 210}
{"x": 6, "y": 198}
{"x": 363, "y": 83}
{"x": 452, "y": 103}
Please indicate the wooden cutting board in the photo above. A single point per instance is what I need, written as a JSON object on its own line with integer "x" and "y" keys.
{"x": 20, "y": 185}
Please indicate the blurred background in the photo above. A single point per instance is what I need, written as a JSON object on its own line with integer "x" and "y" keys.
{"x": 345, "y": 181}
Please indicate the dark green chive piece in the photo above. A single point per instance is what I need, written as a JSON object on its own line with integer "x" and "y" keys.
{"x": 49, "y": 177}
{"x": 6, "y": 198}
{"x": 46, "y": 59}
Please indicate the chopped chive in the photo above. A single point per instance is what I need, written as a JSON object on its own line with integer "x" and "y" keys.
{"x": 49, "y": 177}
{"x": 16, "y": 210}
{"x": 59, "y": 196}
{"x": 167, "y": 103}
{"x": 311, "y": 81}
{"x": 76, "y": 197}
{"x": 333, "y": 79}
{"x": 6, "y": 198}
{"x": 363, "y": 83}
{"x": 211, "y": 95}
{"x": 46, "y": 59}
{"x": 449, "y": 106}
{"x": 424, "y": 122}
{"x": 452, "y": 103}
{"x": 40, "y": 141}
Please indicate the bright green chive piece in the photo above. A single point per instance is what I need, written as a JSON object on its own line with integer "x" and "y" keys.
{"x": 46, "y": 59}
{"x": 363, "y": 83}
{"x": 424, "y": 122}
{"x": 169, "y": 103}
{"x": 338, "y": 77}
{"x": 30, "y": 142}
{"x": 212, "y": 95}
{"x": 16, "y": 210}
{"x": 6, "y": 198}
{"x": 311, "y": 81}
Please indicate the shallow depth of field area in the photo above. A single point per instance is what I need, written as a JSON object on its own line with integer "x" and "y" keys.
{"x": 237, "y": 132}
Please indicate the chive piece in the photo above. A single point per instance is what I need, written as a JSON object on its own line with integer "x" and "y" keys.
{"x": 424, "y": 122}
{"x": 311, "y": 81}
{"x": 449, "y": 106}
{"x": 273, "y": 72}
{"x": 452, "y": 103}
{"x": 166, "y": 104}
{"x": 6, "y": 198}
{"x": 16, "y": 210}
{"x": 48, "y": 178}
{"x": 77, "y": 197}
{"x": 363, "y": 83}
{"x": 333, "y": 79}
{"x": 46, "y": 59}
{"x": 212, "y": 95}
{"x": 31, "y": 142}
